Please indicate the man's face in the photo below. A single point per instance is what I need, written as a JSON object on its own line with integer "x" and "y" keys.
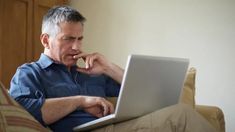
{"x": 66, "y": 43}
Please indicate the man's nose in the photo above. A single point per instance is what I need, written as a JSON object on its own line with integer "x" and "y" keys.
{"x": 77, "y": 45}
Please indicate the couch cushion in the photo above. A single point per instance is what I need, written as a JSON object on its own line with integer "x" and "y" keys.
{"x": 15, "y": 118}
{"x": 188, "y": 92}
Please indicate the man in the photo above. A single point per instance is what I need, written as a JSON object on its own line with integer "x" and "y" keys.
{"x": 57, "y": 92}
{"x": 53, "y": 89}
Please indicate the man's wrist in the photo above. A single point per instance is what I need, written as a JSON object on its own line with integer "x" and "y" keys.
{"x": 79, "y": 101}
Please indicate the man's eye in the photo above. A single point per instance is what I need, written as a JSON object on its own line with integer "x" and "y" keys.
{"x": 68, "y": 38}
{"x": 80, "y": 38}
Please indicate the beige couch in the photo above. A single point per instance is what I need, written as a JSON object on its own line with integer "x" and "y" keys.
{"x": 13, "y": 118}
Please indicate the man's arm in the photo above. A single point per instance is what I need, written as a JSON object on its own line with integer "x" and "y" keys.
{"x": 115, "y": 72}
{"x": 56, "y": 108}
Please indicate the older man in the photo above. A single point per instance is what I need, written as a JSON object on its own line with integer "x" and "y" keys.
{"x": 62, "y": 95}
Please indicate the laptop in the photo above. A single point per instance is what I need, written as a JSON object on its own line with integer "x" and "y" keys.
{"x": 149, "y": 83}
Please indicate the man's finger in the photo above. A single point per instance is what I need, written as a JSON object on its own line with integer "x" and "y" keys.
{"x": 81, "y": 55}
{"x": 105, "y": 109}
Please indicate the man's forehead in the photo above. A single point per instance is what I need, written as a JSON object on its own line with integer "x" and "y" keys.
{"x": 71, "y": 29}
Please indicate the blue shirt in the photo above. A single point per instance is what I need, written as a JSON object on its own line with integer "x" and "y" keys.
{"x": 37, "y": 81}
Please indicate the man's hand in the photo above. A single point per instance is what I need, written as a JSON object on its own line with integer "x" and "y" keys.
{"x": 98, "y": 64}
{"x": 95, "y": 63}
{"x": 96, "y": 106}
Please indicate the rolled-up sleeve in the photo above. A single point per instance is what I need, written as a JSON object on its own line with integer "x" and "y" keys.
{"x": 26, "y": 90}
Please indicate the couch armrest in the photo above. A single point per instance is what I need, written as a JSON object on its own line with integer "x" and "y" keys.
{"x": 214, "y": 115}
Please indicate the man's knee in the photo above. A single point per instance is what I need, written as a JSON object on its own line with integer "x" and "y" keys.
{"x": 174, "y": 110}
{"x": 190, "y": 119}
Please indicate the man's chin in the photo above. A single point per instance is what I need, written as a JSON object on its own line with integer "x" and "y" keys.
{"x": 71, "y": 63}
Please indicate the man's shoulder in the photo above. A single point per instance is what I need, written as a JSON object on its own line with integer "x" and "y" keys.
{"x": 32, "y": 66}
{"x": 43, "y": 62}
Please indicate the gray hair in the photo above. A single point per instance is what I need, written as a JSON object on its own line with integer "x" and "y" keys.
{"x": 58, "y": 14}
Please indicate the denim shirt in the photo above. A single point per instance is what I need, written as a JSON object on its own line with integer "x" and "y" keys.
{"x": 37, "y": 81}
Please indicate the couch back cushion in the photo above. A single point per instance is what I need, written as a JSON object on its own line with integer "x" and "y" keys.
{"x": 15, "y": 118}
{"x": 188, "y": 92}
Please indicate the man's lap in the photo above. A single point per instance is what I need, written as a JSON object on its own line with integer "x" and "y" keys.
{"x": 179, "y": 117}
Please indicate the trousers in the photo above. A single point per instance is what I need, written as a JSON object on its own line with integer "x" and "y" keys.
{"x": 175, "y": 118}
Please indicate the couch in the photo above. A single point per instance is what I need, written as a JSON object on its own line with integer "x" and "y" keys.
{"x": 14, "y": 118}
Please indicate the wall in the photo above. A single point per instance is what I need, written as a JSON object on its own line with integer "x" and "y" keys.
{"x": 203, "y": 31}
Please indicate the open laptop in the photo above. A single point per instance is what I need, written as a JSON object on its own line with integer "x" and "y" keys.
{"x": 149, "y": 83}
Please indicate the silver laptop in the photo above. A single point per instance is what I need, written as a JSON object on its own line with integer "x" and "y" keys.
{"x": 150, "y": 83}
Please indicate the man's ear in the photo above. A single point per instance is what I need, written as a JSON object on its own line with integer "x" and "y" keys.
{"x": 45, "y": 40}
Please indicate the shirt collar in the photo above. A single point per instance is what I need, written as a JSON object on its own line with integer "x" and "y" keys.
{"x": 44, "y": 61}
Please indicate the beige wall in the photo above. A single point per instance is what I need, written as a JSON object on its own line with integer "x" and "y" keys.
{"x": 203, "y": 31}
